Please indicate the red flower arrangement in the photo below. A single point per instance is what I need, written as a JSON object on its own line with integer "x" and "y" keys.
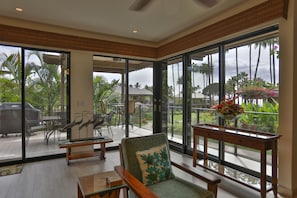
{"x": 228, "y": 109}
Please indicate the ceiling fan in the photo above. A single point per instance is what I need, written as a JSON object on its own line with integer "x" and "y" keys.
{"x": 139, "y": 5}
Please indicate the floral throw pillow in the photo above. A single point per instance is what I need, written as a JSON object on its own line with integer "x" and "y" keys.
{"x": 155, "y": 165}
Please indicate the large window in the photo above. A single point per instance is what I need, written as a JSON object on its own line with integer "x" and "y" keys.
{"x": 10, "y": 107}
{"x": 245, "y": 70}
{"x": 252, "y": 73}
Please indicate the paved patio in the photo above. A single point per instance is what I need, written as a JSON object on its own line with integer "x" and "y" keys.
{"x": 11, "y": 145}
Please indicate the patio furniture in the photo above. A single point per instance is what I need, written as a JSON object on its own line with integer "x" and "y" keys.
{"x": 11, "y": 117}
{"x": 146, "y": 169}
{"x": 107, "y": 119}
{"x": 66, "y": 127}
{"x": 52, "y": 124}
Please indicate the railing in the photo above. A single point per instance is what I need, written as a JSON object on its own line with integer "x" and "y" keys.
{"x": 143, "y": 117}
{"x": 250, "y": 119}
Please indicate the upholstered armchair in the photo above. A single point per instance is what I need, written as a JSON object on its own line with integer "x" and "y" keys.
{"x": 146, "y": 169}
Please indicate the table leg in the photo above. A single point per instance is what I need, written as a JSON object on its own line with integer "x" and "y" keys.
{"x": 79, "y": 193}
{"x": 274, "y": 168}
{"x": 195, "y": 149}
{"x": 263, "y": 173}
{"x": 205, "y": 149}
{"x": 102, "y": 153}
{"x": 68, "y": 152}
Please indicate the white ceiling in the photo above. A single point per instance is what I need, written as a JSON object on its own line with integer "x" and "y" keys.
{"x": 161, "y": 20}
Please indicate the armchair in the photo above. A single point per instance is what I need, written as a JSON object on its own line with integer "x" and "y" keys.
{"x": 146, "y": 169}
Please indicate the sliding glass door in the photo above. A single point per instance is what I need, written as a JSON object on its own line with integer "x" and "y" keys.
{"x": 140, "y": 100}
{"x": 34, "y": 102}
{"x": 203, "y": 91}
{"x": 172, "y": 99}
{"x": 10, "y": 103}
{"x": 46, "y": 91}
{"x": 123, "y": 93}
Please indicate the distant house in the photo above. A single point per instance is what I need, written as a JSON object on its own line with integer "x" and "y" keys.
{"x": 138, "y": 95}
{"x": 198, "y": 99}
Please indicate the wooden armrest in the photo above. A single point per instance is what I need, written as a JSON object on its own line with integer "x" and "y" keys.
{"x": 134, "y": 184}
{"x": 212, "y": 181}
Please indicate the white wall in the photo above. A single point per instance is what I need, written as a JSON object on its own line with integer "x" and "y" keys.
{"x": 81, "y": 78}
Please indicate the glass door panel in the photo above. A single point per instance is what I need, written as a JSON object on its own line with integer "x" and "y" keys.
{"x": 140, "y": 105}
{"x": 10, "y": 103}
{"x": 108, "y": 85}
{"x": 46, "y": 100}
{"x": 204, "y": 89}
{"x": 252, "y": 73}
{"x": 172, "y": 100}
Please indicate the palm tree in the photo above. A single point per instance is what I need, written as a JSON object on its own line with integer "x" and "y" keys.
{"x": 250, "y": 62}
{"x": 178, "y": 78}
{"x": 206, "y": 70}
{"x": 270, "y": 42}
{"x": 46, "y": 81}
{"x": 173, "y": 82}
{"x": 104, "y": 91}
{"x": 275, "y": 41}
{"x": 12, "y": 76}
{"x": 11, "y": 64}
{"x": 236, "y": 65}
{"x": 260, "y": 45}
{"x": 195, "y": 69}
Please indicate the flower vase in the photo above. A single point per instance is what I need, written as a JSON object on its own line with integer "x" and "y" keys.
{"x": 227, "y": 122}
{"x": 227, "y": 119}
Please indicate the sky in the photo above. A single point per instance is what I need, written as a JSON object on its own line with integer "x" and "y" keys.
{"x": 145, "y": 76}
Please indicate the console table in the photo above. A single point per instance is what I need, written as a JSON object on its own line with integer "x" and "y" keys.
{"x": 252, "y": 139}
{"x": 85, "y": 142}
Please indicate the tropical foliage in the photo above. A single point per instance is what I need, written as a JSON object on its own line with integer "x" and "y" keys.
{"x": 42, "y": 81}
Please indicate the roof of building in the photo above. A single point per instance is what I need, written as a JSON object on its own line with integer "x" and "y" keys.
{"x": 136, "y": 91}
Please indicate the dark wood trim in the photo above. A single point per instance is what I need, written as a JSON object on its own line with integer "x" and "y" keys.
{"x": 42, "y": 38}
{"x": 267, "y": 11}
{"x": 257, "y": 15}
{"x": 286, "y": 9}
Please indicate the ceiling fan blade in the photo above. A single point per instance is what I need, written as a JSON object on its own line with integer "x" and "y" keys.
{"x": 139, "y": 5}
{"x": 208, "y": 3}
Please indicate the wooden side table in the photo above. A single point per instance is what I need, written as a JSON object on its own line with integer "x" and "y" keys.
{"x": 252, "y": 139}
{"x": 96, "y": 186}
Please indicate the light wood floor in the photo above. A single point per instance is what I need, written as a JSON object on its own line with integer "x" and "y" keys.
{"x": 54, "y": 179}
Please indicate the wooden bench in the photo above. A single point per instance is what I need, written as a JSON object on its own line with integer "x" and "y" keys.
{"x": 85, "y": 142}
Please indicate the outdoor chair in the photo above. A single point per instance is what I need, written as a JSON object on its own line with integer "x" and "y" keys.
{"x": 31, "y": 128}
{"x": 107, "y": 121}
{"x": 146, "y": 169}
{"x": 97, "y": 124}
{"x": 66, "y": 127}
{"x": 131, "y": 111}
